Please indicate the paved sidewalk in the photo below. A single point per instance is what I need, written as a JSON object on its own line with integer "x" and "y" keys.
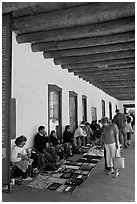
{"x": 99, "y": 187}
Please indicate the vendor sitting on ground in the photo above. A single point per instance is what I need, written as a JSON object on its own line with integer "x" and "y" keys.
{"x": 42, "y": 145}
{"x": 68, "y": 141}
{"x": 20, "y": 159}
{"x": 79, "y": 136}
{"x": 55, "y": 142}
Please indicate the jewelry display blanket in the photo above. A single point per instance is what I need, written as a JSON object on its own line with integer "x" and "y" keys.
{"x": 71, "y": 175}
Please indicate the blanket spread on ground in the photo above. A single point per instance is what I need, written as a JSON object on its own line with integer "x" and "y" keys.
{"x": 71, "y": 174}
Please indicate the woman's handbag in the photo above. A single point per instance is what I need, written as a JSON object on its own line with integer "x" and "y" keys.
{"x": 119, "y": 162}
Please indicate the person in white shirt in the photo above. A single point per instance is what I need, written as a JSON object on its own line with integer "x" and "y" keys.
{"x": 20, "y": 159}
{"x": 79, "y": 136}
{"x": 129, "y": 130}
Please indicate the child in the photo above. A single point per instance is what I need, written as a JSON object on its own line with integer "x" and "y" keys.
{"x": 129, "y": 130}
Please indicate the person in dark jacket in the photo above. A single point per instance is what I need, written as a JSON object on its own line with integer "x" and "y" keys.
{"x": 55, "y": 142}
{"x": 120, "y": 120}
{"x": 68, "y": 140}
{"x": 54, "y": 138}
{"x": 42, "y": 145}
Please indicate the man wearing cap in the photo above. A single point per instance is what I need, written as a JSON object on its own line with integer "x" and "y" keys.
{"x": 120, "y": 121}
{"x": 79, "y": 136}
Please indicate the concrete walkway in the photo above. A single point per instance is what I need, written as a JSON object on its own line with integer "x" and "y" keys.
{"x": 98, "y": 187}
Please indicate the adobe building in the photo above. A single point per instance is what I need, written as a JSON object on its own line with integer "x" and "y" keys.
{"x": 69, "y": 62}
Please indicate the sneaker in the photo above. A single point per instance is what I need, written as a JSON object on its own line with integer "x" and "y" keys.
{"x": 110, "y": 172}
{"x": 116, "y": 175}
{"x": 27, "y": 179}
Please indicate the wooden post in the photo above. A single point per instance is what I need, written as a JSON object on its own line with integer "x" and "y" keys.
{"x": 6, "y": 97}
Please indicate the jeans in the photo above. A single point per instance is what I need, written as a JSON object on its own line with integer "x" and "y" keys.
{"x": 123, "y": 136}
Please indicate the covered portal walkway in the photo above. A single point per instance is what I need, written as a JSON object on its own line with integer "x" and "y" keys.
{"x": 98, "y": 187}
{"x": 94, "y": 45}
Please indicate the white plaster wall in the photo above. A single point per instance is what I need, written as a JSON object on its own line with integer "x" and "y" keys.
{"x": 31, "y": 76}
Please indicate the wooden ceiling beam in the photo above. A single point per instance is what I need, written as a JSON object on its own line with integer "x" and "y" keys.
{"x": 14, "y": 6}
{"x": 110, "y": 67}
{"x": 116, "y": 90}
{"x": 113, "y": 84}
{"x": 126, "y": 98}
{"x": 117, "y": 87}
{"x": 75, "y": 16}
{"x": 84, "y": 42}
{"x": 92, "y": 30}
{"x": 44, "y": 7}
{"x": 98, "y": 63}
{"x": 105, "y": 78}
{"x": 111, "y": 79}
{"x": 106, "y": 71}
{"x": 48, "y": 6}
{"x": 123, "y": 94}
{"x": 90, "y": 50}
{"x": 94, "y": 57}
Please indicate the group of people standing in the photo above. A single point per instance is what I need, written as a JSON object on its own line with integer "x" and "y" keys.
{"x": 116, "y": 134}
{"x": 111, "y": 134}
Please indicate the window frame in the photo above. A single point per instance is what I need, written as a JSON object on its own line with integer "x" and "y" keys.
{"x": 110, "y": 110}
{"x": 84, "y": 98}
{"x": 103, "y": 108}
{"x": 75, "y": 95}
{"x": 58, "y": 90}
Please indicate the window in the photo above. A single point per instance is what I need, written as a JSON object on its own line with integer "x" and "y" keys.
{"x": 73, "y": 110}
{"x": 55, "y": 107}
{"x": 93, "y": 113}
{"x": 110, "y": 110}
{"x": 103, "y": 108}
{"x": 84, "y": 108}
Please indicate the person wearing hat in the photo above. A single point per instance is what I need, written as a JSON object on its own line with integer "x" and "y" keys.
{"x": 120, "y": 120}
{"x": 79, "y": 136}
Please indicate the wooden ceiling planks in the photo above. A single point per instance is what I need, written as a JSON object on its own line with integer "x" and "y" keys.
{"x": 95, "y": 40}
{"x": 91, "y": 30}
{"x": 94, "y": 57}
{"x": 72, "y": 17}
{"x": 84, "y": 42}
{"x": 90, "y": 50}
{"x": 103, "y": 72}
{"x": 31, "y": 8}
{"x": 99, "y": 63}
{"x": 105, "y": 68}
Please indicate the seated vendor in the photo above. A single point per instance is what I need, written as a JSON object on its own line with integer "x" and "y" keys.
{"x": 42, "y": 145}
{"x": 20, "y": 159}
{"x": 68, "y": 140}
{"x": 79, "y": 136}
{"x": 55, "y": 142}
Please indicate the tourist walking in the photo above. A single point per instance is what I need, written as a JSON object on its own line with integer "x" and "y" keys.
{"x": 110, "y": 139}
{"x": 129, "y": 130}
{"x": 120, "y": 120}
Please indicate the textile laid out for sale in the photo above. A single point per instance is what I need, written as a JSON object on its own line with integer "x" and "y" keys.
{"x": 69, "y": 176}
